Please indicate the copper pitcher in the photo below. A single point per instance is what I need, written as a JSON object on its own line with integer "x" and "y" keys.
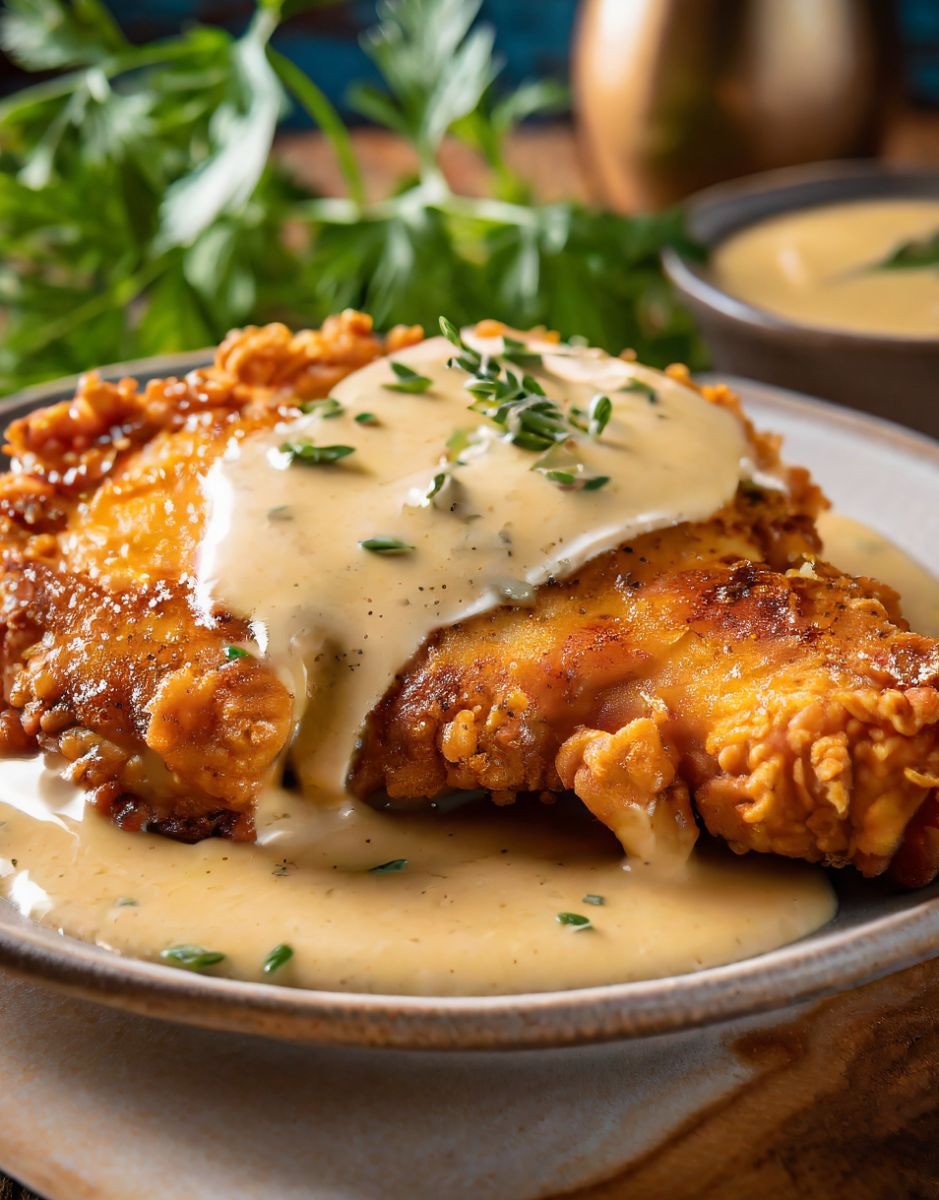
{"x": 673, "y": 95}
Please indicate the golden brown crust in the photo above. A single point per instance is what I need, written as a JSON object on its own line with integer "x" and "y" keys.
{"x": 803, "y": 719}
{"x": 106, "y": 659}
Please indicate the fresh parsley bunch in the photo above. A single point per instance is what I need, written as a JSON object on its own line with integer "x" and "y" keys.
{"x": 141, "y": 211}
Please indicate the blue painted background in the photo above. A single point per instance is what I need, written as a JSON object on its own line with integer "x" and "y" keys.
{"x": 533, "y": 37}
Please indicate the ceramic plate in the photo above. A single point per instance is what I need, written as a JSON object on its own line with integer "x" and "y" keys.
{"x": 873, "y": 471}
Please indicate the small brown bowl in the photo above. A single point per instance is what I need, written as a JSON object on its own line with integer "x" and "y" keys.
{"x": 890, "y": 376}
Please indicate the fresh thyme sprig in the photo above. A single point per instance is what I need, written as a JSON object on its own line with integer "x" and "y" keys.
{"x": 530, "y": 418}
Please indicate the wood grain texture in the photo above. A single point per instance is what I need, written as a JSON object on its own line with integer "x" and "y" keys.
{"x": 844, "y": 1106}
{"x": 546, "y": 155}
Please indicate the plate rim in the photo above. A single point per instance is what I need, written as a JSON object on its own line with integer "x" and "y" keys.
{"x": 802, "y": 971}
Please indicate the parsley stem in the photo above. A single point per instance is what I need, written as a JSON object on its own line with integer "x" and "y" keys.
{"x": 314, "y": 101}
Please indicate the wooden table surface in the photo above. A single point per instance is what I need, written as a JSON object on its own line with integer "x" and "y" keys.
{"x": 548, "y": 157}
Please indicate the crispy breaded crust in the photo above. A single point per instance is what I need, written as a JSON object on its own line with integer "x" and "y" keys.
{"x": 716, "y": 672}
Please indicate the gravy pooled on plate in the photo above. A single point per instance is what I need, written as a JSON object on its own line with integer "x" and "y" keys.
{"x": 827, "y": 266}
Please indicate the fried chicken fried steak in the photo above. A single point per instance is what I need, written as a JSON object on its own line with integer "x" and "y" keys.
{"x": 716, "y": 673}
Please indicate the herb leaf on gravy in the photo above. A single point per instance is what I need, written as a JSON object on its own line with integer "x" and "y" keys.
{"x": 577, "y": 921}
{"x": 408, "y": 380}
{"x": 913, "y": 255}
{"x": 330, "y": 407}
{"x": 313, "y": 456}
{"x": 281, "y": 954}
{"x": 388, "y": 868}
{"x": 643, "y": 389}
{"x": 191, "y": 958}
{"x": 593, "y": 898}
{"x": 386, "y": 545}
{"x": 599, "y": 413}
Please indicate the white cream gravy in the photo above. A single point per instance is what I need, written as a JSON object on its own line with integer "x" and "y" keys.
{"x": 815, "y": 266}
{"x": 474, "y": 908}
{"x": 283, "y": 541}
{"x": 474, "y": 911}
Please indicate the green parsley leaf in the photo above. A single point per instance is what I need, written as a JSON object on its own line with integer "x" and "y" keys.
{"x": 366, "y": 418}
{"x": 408, "y": 380}
{"x": 386, "y": 868}
{"x": 577, "y": 921}
{"x": 233, "y": 652}
{"x": 192, "y": 958}
{"x": 386, "y": 545}
{"x": 313, "y": 456}
{"x": 278, "y": 956}
{"x": 592, "y": 898}
{"x": 195, "y": 228}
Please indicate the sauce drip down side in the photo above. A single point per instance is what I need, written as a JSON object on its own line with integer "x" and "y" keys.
{"x": 345, "y": 565}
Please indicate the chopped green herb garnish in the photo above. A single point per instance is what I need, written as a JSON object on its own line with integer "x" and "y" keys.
{"x": 436, "y": 484}
{"x": 280, "y": 512}
{"x": 126, "y": 902}
{"x": 386, "y": 545}
{"x": 193, "y": 958}
{"x": 600, "y": 411}
{"x": 386, "y": 868}
{"x": 308, "y": 454}
{"x": 912, "y": 255}
{"x": 330, "y": 407}
{"x": 232, "y": 652}
{"x": 568, "y": 473}
{"x": 532, "y": 386}
{"x": 577, "y": 921}
{"x": 644, "y": 389}
{"x": 277, "y": 957}
{"x": 517, "y": 352}
{"x": 408, "y": 380}
{"x": 457, "y": 443}
{"x": 595, "y": 483}
{"x": 451, "y": 333}
{"x": 366, "y": 418}
{"x": 592, "y": 898}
